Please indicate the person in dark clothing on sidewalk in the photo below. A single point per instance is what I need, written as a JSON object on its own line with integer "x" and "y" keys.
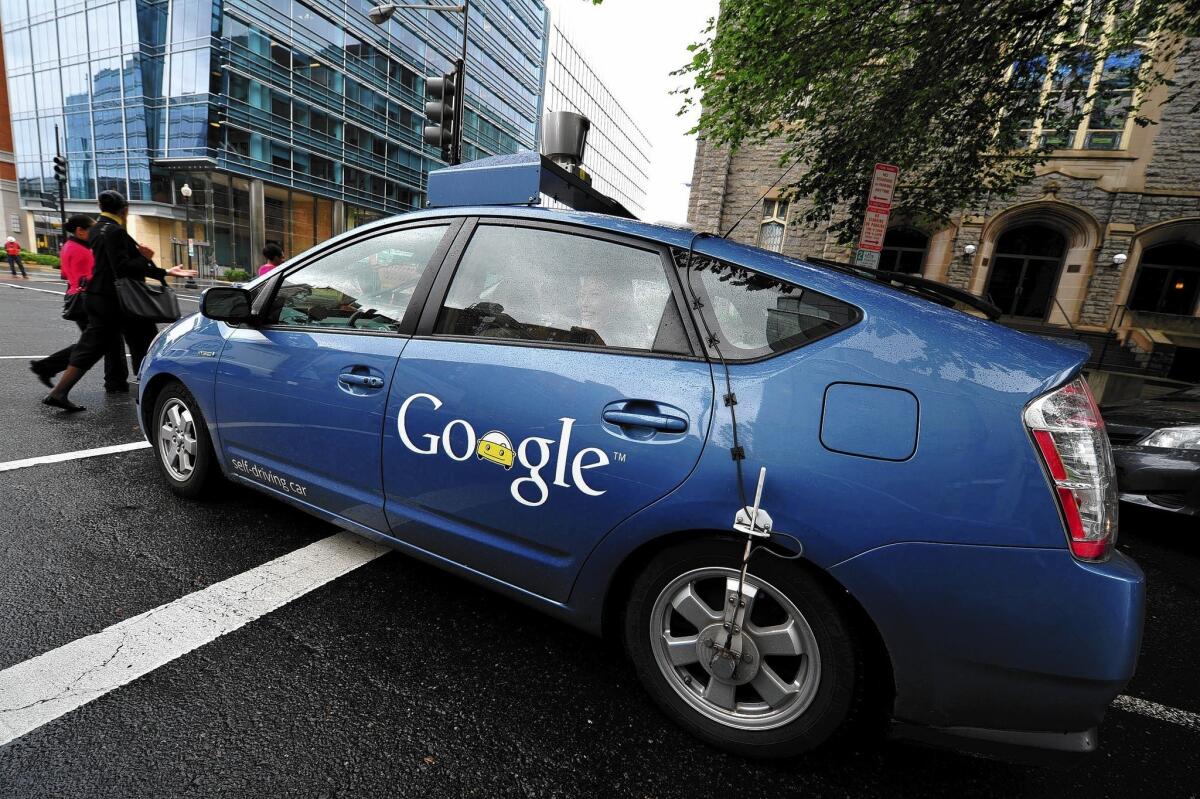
{"x": 13, "y": 251}
{"x": 76, "y": 265}
{"x": 116, "y": 255}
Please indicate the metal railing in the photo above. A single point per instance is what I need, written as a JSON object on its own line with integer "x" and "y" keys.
{"x": 1065, "y": 316}
{"x": 1120, "y": 312}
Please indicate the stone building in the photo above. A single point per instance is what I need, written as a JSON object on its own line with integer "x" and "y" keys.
{"x": 1106, "y": 238}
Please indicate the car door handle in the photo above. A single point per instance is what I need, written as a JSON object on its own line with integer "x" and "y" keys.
{"x": 351, "y": 379}
{"x": 656, "y": 421}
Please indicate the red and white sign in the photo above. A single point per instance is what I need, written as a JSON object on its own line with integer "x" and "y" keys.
{"x": 873, "y": 230}
{"x": 883, "y": 186}
{"x": 875, "y": 220}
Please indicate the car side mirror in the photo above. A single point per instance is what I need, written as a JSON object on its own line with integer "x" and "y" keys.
{"x": 227, "y": 304}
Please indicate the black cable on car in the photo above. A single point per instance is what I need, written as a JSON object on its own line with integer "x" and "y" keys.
{"x": 711, "y": 340}
{"x": 730, "y": 399}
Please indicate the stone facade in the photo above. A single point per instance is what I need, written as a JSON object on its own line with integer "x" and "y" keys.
{"x": 1104, "y": 204}
{"x": 1176, "y": 163}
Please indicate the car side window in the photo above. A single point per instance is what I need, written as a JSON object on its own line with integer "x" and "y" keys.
{"x": 759, "y": 315}
{"x": 364, "y": 286}
{"x": 532, "y": 284}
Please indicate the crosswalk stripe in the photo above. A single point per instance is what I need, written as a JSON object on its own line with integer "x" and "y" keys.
{"x": 1144, "y": 707}
{"x": 41, "y": 460}
{"x": 50, "y": 685}
{"x": 187, "y": 297}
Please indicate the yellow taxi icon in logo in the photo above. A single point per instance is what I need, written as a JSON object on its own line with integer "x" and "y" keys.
{"x": 496, "y": 447}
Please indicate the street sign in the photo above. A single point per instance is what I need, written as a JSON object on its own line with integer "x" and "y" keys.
{"x": 866, "y": 258}
{"x": 873, "y": 230}
{"x": 191, "y": 248}
{"x": 875, "y": 220}
{"x": 883, "y": 186}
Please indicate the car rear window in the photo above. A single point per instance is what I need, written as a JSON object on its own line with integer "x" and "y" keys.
{"x": 758, "y": 315}
{"x": 550, "y": 286}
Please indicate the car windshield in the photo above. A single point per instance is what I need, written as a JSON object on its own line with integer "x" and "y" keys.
{"x": 1187, "y": 395}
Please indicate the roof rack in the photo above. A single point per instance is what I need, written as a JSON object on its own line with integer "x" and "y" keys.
{"x": 520, "y": 179}
{"x": 922, "y": 287}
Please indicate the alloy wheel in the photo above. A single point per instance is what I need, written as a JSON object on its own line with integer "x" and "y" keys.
{"x": 752, "y": 666}
{"x": 177, "y": 439}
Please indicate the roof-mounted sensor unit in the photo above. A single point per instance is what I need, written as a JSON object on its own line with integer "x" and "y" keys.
{"x": 520, "y": 179}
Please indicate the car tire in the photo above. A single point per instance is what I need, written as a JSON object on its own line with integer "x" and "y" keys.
{"x": 179, "y": 436}
{"x": 799, "y": 672}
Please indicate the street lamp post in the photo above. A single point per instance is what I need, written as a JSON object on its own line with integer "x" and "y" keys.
{"x": 186, "y": 191}
{"x": 382, "y": 13}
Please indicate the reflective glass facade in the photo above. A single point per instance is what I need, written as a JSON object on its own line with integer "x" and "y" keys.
{"x": 289, "y": 119}
{"x": 618, "y": 152}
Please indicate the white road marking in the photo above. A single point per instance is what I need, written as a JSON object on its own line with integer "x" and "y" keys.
{"x": 1144, "y": 707}
{"x": 62, "y": 293}
{"x": 31, "y": 357}
{"x": 41, "y": 460}
{"x": 43, "y": 688}
{"x": 31, "y": 288}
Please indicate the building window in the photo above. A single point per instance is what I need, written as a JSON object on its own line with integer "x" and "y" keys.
{"x": 904, "y": 250}
{"x": 1168, "y": 279}
{"x": 773, "y": 225}
{"x": 1114, "y": 99}
{"x": 1099, "y": 92}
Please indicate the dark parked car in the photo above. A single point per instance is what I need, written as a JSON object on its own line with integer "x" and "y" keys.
{"x": 1156, "y": 444}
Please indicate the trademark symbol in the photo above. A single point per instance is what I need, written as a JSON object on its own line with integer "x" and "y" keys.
{"x": 619, "y": 457}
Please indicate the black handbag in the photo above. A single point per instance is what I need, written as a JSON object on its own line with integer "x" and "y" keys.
{"x": 147, "y": 302}
{"x": 74, "y": 309}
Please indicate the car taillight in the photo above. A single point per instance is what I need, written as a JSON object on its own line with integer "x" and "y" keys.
{"x": 1069, "y": 433}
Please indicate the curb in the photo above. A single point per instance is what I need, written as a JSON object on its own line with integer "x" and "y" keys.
{"x": 42, "y": 270}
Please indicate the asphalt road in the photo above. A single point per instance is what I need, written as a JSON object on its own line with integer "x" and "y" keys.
{"x": 398, "y": 680}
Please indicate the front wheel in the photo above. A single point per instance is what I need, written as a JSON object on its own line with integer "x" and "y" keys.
{"x": 180, "y": 439}
{"x": 772, "y": 677}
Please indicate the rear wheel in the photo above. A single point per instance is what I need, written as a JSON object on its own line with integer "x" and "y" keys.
{"x": 772, "y": 678}
{"x": 180, "y": 439}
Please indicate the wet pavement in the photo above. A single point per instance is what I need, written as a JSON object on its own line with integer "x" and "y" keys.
{"x": 398, "y": 680}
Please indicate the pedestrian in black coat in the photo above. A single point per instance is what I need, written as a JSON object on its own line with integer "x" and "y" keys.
{"x": 116, "y": 255}
{"x": 75, "y": 266}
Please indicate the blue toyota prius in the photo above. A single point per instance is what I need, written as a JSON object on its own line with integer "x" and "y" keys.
{"x": 783, "y": 487}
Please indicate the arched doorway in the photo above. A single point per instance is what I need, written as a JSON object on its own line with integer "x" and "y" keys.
{"x": 1025, "y": 270}
{"x": 1168, "y": 279}
{"x": 903, "y": 250}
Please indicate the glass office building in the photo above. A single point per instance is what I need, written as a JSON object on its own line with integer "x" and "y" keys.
{"x": 618, "y": 151}
{"x": 290, "y": 120}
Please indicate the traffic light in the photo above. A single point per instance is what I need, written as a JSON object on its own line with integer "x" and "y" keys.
{"x": 60, "y": 169}
{"x": 441, "y": 110}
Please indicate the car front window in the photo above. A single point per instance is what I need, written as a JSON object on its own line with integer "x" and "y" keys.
{"x": 364, "y": 286}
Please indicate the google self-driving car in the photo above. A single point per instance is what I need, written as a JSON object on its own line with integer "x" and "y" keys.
{"x": 776, "y": 483}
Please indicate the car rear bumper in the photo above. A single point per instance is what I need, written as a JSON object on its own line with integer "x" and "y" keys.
{"x": 1001, "y": 645}
{"x": 1159, "y": 478}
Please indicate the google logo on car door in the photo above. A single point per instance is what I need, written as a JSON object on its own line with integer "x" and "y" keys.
{"x": 533, "y": 453}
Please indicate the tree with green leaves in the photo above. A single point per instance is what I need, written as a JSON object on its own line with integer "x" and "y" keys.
{"x": 966, "y": 98}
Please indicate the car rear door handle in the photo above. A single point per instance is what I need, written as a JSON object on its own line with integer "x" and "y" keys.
{"x": 655, "y": 421}
{"x": 369, "y": 381}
